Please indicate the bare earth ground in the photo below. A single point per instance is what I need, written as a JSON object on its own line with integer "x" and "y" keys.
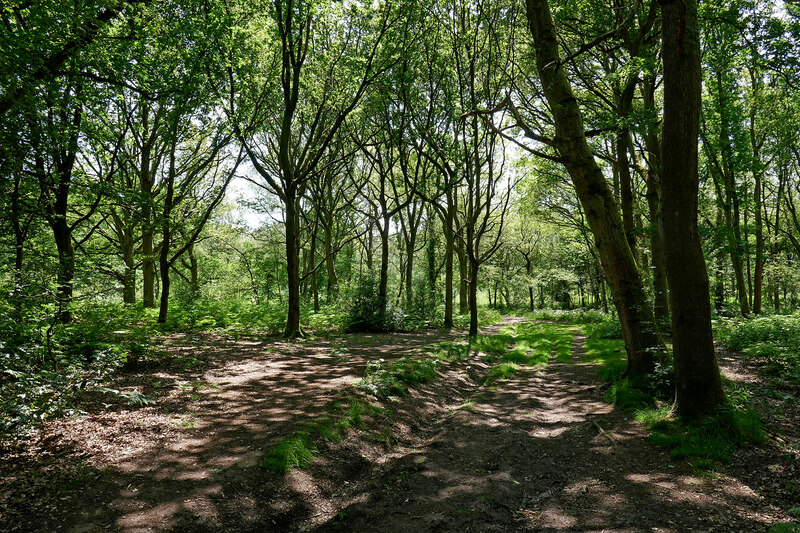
{"x": 541, "y": 452}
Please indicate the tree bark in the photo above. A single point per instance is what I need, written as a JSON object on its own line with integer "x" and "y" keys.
{"x": 383, "y": 280}
{"x": 624, "y": 101}
{"x": 697, "y": 377}
{"x": 473, "y": 298}
{"x": 292, "y": 329}
{"x": 463, "y": 271}
{"x": 758, "y": 275}
{"x": 128, "y": 276}
{"x": 602, "y": 214}
{"x": 449, "y": 248}
{"x": 146, "y": 184}
{"x": 62, "y": 235}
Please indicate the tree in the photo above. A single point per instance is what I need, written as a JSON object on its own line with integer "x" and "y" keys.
{"x": 642, "y": 339}
{"x": 328, "y": 56}
{"x": 697, "y": 378}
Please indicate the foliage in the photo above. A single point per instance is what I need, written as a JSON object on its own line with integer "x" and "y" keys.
{"x": 773, "y": 339}
{"x": 383, "y": 380}
{"x": 46, "y": 365}
{"x": 365, "y": 311}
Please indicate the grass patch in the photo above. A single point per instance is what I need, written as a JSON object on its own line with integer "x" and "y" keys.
{"x": 384, "y": 379}
{"x": 449, "y": 351}
{"x": 500, "y": 372}
{"x": 542, "y": 340}
{"x": 625, "y": 395}
{"x": 492, "y": 345}
{"x": 534, "y": 343}
{"x": 294, "y": 452}
{"x": 297, "y": 450}
{"x": 704, "y": 441}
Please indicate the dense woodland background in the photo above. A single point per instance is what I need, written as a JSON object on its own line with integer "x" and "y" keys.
{"x": 297, "y": 166}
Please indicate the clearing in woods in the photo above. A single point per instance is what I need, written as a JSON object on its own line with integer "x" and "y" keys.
{"x": 538, "y": 449}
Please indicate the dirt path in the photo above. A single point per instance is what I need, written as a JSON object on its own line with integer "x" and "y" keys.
{"x": 540, "y": 452}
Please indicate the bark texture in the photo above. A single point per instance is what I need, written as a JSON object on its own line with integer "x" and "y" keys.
{"x": 602, "y": 213}
{"x": 697, "y": 378}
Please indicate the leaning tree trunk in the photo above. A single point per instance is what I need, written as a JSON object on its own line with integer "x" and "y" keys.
{"x": 697, "y": 378}
{"x": 624, "y": 103}
{"x": 635, "y": 311}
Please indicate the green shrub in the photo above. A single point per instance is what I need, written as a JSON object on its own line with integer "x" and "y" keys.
{"x": 365, "y": 312}
{"x": 775, "y": 339}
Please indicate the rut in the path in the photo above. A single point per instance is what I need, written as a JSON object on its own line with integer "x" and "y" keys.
{"x": 541, "y": 452}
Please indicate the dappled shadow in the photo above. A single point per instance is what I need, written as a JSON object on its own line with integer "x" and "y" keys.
{"x": 542, "y": 451}
{"x": 223, "y": 402}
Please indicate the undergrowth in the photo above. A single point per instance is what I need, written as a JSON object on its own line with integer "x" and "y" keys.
{"x": 649, "y": 400}
{"x": 773, "y": 339}
{"x": 384, "y": 379}
{"x": 297, "y": 451}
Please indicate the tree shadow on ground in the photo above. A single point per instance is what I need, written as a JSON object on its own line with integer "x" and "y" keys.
{"x": 541, "y": 451}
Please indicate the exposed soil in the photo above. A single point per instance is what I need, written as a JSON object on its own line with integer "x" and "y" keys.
{"x": 540, "y": 452}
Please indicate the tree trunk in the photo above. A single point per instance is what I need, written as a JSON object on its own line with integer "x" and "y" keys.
{"x": 332, "y": 288}
{"x": 473, "y": 298}
{"x": 653, "y": 197}
{"x": 146, "y": 183}
{"x": 463, "y": 305}
{"x": 128, "y": 276}
{"x": 66, "y": 267}
{"x": 410, "y": 270}
{"x": 697, "y": 378}
{"x": 148, "y": 261}
{"x": 758, "y": 275}
{"x": 383, "y": 280}
{"x": 20, "y": 234}
{"x": 624, "y": 102}
{"x": 449, "y": 248}
{"x": 634, "y": 309}
{"x": 369, "y": 249}
{"x": 163, "y": 263}
{"x": 292, "y": 329}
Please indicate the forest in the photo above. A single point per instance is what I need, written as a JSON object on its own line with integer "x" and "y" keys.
{"x": 456, "y": 265}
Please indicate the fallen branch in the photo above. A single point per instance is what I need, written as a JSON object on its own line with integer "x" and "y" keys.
{"x": 605, "y": 433}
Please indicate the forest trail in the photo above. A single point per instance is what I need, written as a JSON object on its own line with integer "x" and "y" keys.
{"x": 541, "y": 451}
